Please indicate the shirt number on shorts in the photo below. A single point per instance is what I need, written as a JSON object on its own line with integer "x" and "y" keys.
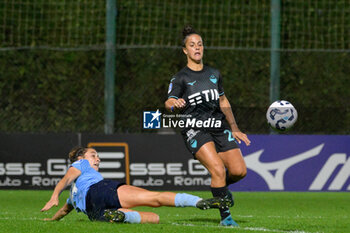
{"x": 230, "y": 138}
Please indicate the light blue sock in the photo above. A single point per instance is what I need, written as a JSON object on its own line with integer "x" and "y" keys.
{"x": 184, "y": 199}
{"x": 132, "y": 217}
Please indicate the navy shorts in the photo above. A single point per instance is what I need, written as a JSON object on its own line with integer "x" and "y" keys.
{"x": 222, "y": 138}
{"x": 102, "y": 195}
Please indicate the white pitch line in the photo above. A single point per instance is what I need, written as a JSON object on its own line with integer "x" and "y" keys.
{"x": 22, "y": 219}
{"x": 277, "y": 216}
{"x": 242, "y": 228}
{"x": 273, "y": 230}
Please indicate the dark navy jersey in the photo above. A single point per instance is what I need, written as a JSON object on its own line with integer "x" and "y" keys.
{"x": 201, "y": 91}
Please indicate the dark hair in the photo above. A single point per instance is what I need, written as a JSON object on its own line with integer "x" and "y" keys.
{"x": 188, "y": 30}
{"x": 76, "y": 152}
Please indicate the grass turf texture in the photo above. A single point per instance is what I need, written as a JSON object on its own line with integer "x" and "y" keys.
{"x": 254, "y": 212}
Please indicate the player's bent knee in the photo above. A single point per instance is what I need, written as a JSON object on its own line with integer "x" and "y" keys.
{"x": 238, "y": 174}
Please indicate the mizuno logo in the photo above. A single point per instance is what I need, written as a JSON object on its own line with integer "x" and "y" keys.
{"x": 273, "y": 172}
{"x": 192, "y": 83}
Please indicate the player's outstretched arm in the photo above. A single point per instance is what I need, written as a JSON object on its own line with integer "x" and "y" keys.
{"x": 70, "y": 176}
{"x": 225, "y": 107}
{"x": 66, "y": 209}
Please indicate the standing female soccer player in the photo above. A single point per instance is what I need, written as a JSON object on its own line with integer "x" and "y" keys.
{"x": 197, "y": 91}
{"x": 108, "y": 200}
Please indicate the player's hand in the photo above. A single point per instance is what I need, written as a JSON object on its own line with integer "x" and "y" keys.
{"x": 239, "y": 136}
{"x": 49, "y": 204}
{"x": 179, "y": 103}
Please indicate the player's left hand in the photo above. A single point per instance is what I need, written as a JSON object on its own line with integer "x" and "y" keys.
{"x": 49, "y": 204}
{"x": 239, "y": 136}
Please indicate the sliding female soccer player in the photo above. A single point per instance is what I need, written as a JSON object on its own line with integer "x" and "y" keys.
{"x": 197, "y": 91}
{"x": 108, "y": 200}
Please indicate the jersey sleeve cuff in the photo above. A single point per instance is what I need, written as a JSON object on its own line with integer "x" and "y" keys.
{"x": 172, "y": 96}
{"x": 222, "y": 93}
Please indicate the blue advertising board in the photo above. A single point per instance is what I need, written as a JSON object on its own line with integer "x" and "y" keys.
{"x": 162, "y": 162}
{"x": 296, "y": 163}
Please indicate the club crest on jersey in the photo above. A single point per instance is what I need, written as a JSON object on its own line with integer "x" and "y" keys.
{"x": 213, "y": 79}
{"x": 206, "y": 95}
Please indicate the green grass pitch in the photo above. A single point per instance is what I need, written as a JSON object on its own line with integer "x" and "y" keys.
{"x": 254, "y": 212}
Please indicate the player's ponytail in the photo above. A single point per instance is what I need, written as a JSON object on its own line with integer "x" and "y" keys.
{"x": 76, "y": 152}
{"x": 188, "y": 30}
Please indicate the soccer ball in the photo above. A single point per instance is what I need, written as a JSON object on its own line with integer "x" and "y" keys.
{"x": 281, "y": 115}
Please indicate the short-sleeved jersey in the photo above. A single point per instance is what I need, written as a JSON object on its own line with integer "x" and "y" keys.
{"x": 201, "y": 91}
{"x": 81, "y": 185}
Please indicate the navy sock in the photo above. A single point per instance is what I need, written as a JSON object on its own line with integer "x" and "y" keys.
{"x": 221, "y": 192}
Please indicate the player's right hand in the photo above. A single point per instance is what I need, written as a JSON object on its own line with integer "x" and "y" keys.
{"x": 179, "y": 103}
{"x": 239, "y": 136}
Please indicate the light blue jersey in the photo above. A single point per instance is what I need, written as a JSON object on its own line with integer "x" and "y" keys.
{"x": 81, "y": 185}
